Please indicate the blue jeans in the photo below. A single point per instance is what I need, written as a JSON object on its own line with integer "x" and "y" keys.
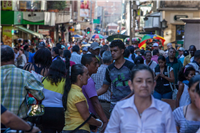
{"x": 164, "y": 96}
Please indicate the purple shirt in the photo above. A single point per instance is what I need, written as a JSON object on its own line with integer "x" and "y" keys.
{"x": 89, "y": 91}
{"x": 155, "y": 58}
{"x": 157, "y": 118}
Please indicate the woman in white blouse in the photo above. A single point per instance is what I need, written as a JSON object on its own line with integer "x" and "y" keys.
{"x": 141, "y": 113}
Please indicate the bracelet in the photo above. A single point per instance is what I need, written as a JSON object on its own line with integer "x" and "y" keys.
{"x": 101, "y": 123}
{"x": 31, "y": 127}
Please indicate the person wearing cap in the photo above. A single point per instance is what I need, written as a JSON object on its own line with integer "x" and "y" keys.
{"x": 181, "y": 56}
{"x": 84, "y": 50}
{"x": 95, "y": 48}
{"x": 156, "y": 46}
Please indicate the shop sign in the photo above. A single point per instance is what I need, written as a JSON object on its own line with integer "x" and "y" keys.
{"x": 177, "y": 17}
{"x": 11, "y": 17}
{"x": 84, "y": 12}
{"x": 7, "y": 5}
{"x": 180, "y": 4}
{"x": 7, "y": 35}
{"x": 30, "y": 5}
{"x": 43, "y": 32}
{"x": 35, "y": 18}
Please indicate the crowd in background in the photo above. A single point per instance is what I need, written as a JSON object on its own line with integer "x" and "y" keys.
{"x": 123, "y": 87}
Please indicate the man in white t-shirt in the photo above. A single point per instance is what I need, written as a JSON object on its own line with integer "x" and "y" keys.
{"x": 148, "y": 61}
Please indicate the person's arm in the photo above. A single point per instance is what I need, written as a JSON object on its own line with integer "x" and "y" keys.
{"x": 180, "y": 91}
{"x": 99, "y": 111}
{"x": 171, "y": 78}
{"x": 84, "y": 112}
{"x": 170, "y": 124}
{"x": 114, "y": 122}
{"x": 157, "y": 76}
{"x": 14, "y": 122}
{"x": 178, "y": 129}
{"x": 103, "y": 89}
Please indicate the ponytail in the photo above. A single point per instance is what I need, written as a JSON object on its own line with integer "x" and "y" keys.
{"x": 77, "y": 69}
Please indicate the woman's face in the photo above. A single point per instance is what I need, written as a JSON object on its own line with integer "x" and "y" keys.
{"x": 161, "y": 63}
{"x": 85, "y": 76}
{"x": 143, "y": 83}
{"x": 20, "y": 51}
{"x": 191, "y": 91}
{"x": 190, "y": 75}
{"x": 197, "y": 100}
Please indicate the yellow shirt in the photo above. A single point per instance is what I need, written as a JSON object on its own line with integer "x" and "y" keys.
{"x": 187, "y": 60}
{"x": 72, "y": 117}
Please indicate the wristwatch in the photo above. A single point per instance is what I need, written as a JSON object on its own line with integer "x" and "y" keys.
{"x": 31, "y": 126}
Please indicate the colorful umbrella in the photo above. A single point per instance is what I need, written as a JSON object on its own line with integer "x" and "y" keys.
{"x": 146, "y": 37}
{"x": 117, "y": 37}
{"x": 98, "y": 36}
{"x": 77, "y": 36}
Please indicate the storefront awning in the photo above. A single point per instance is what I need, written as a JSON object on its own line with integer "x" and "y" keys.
{"x": 30, "y": 31}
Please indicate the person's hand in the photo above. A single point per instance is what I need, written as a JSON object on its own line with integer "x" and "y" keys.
{"x": 35, "y": 130}
{"x": 162, "y": 75}
{"x": 103, "y": 127}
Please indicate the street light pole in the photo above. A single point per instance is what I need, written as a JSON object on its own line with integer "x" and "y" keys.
{"x": 134, "y": 15}
{"x": 130, "y": 38}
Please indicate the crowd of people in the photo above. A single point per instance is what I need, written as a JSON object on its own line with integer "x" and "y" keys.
{"x": 111, "y": 88}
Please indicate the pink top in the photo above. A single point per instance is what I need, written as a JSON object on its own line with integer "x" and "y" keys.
{"x": 158, "y": 118}
{"x": 72, "y": 63}
{"x": 155, "y": 58}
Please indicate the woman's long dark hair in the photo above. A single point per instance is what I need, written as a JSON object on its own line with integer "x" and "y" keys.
{"x": 56, "y": 72}
{"x": 43, "y": 57}
{"x": 77, "y": 69}
{"x": 67, "y": 56}
{"x": 183, "y": 73}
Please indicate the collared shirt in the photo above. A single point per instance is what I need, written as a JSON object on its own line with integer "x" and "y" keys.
{"x": 157, "y": 118}
{"x": 152, "y": 64}
{"x": 75, "y": 57}
{"x": 15, "y": 83}
{"x": 98, "y": 79}
{"x": 176, "y": 65}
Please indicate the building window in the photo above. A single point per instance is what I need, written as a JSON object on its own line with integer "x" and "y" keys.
{"x": 180, "y": 32}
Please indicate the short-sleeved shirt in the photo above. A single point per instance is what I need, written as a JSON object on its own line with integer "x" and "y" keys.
{"x": 3, "y": 109}
{"x": 89, "y": 91}
{"x": 26, "y": 53}
{"x": 119, "y": 78}
{"x": 72, "y": 117}
{"x": 185, "y": 125}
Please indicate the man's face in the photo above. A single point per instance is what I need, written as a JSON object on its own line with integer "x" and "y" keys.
{"x": 93, "y": 66}
{"x": 180, "y": 52}
{"x": 116, "y": 52}
{"x": 155, "y": 47}
{"x": 171, "y": 53}
{"x": 15, "y": 51}
{"x": 84, "y": 52}
{"x": 192, "y": 50}
{"x": 169, "y": 46}
{"x": 148, "y": 57}
{"x": 95, "y": 52}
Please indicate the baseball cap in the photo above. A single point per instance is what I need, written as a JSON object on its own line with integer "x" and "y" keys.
{"x": 181, "y": 49}
{"x": 94, "y": 46}
{"x": 84, "y": 49}
{"x": 41, "y": 45}
{"x": 155, "y": 45}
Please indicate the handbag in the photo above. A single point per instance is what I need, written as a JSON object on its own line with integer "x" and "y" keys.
{"x": 172, "y": 86}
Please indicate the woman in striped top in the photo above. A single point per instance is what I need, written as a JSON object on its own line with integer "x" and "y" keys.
{"x": 188, "y": 117}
